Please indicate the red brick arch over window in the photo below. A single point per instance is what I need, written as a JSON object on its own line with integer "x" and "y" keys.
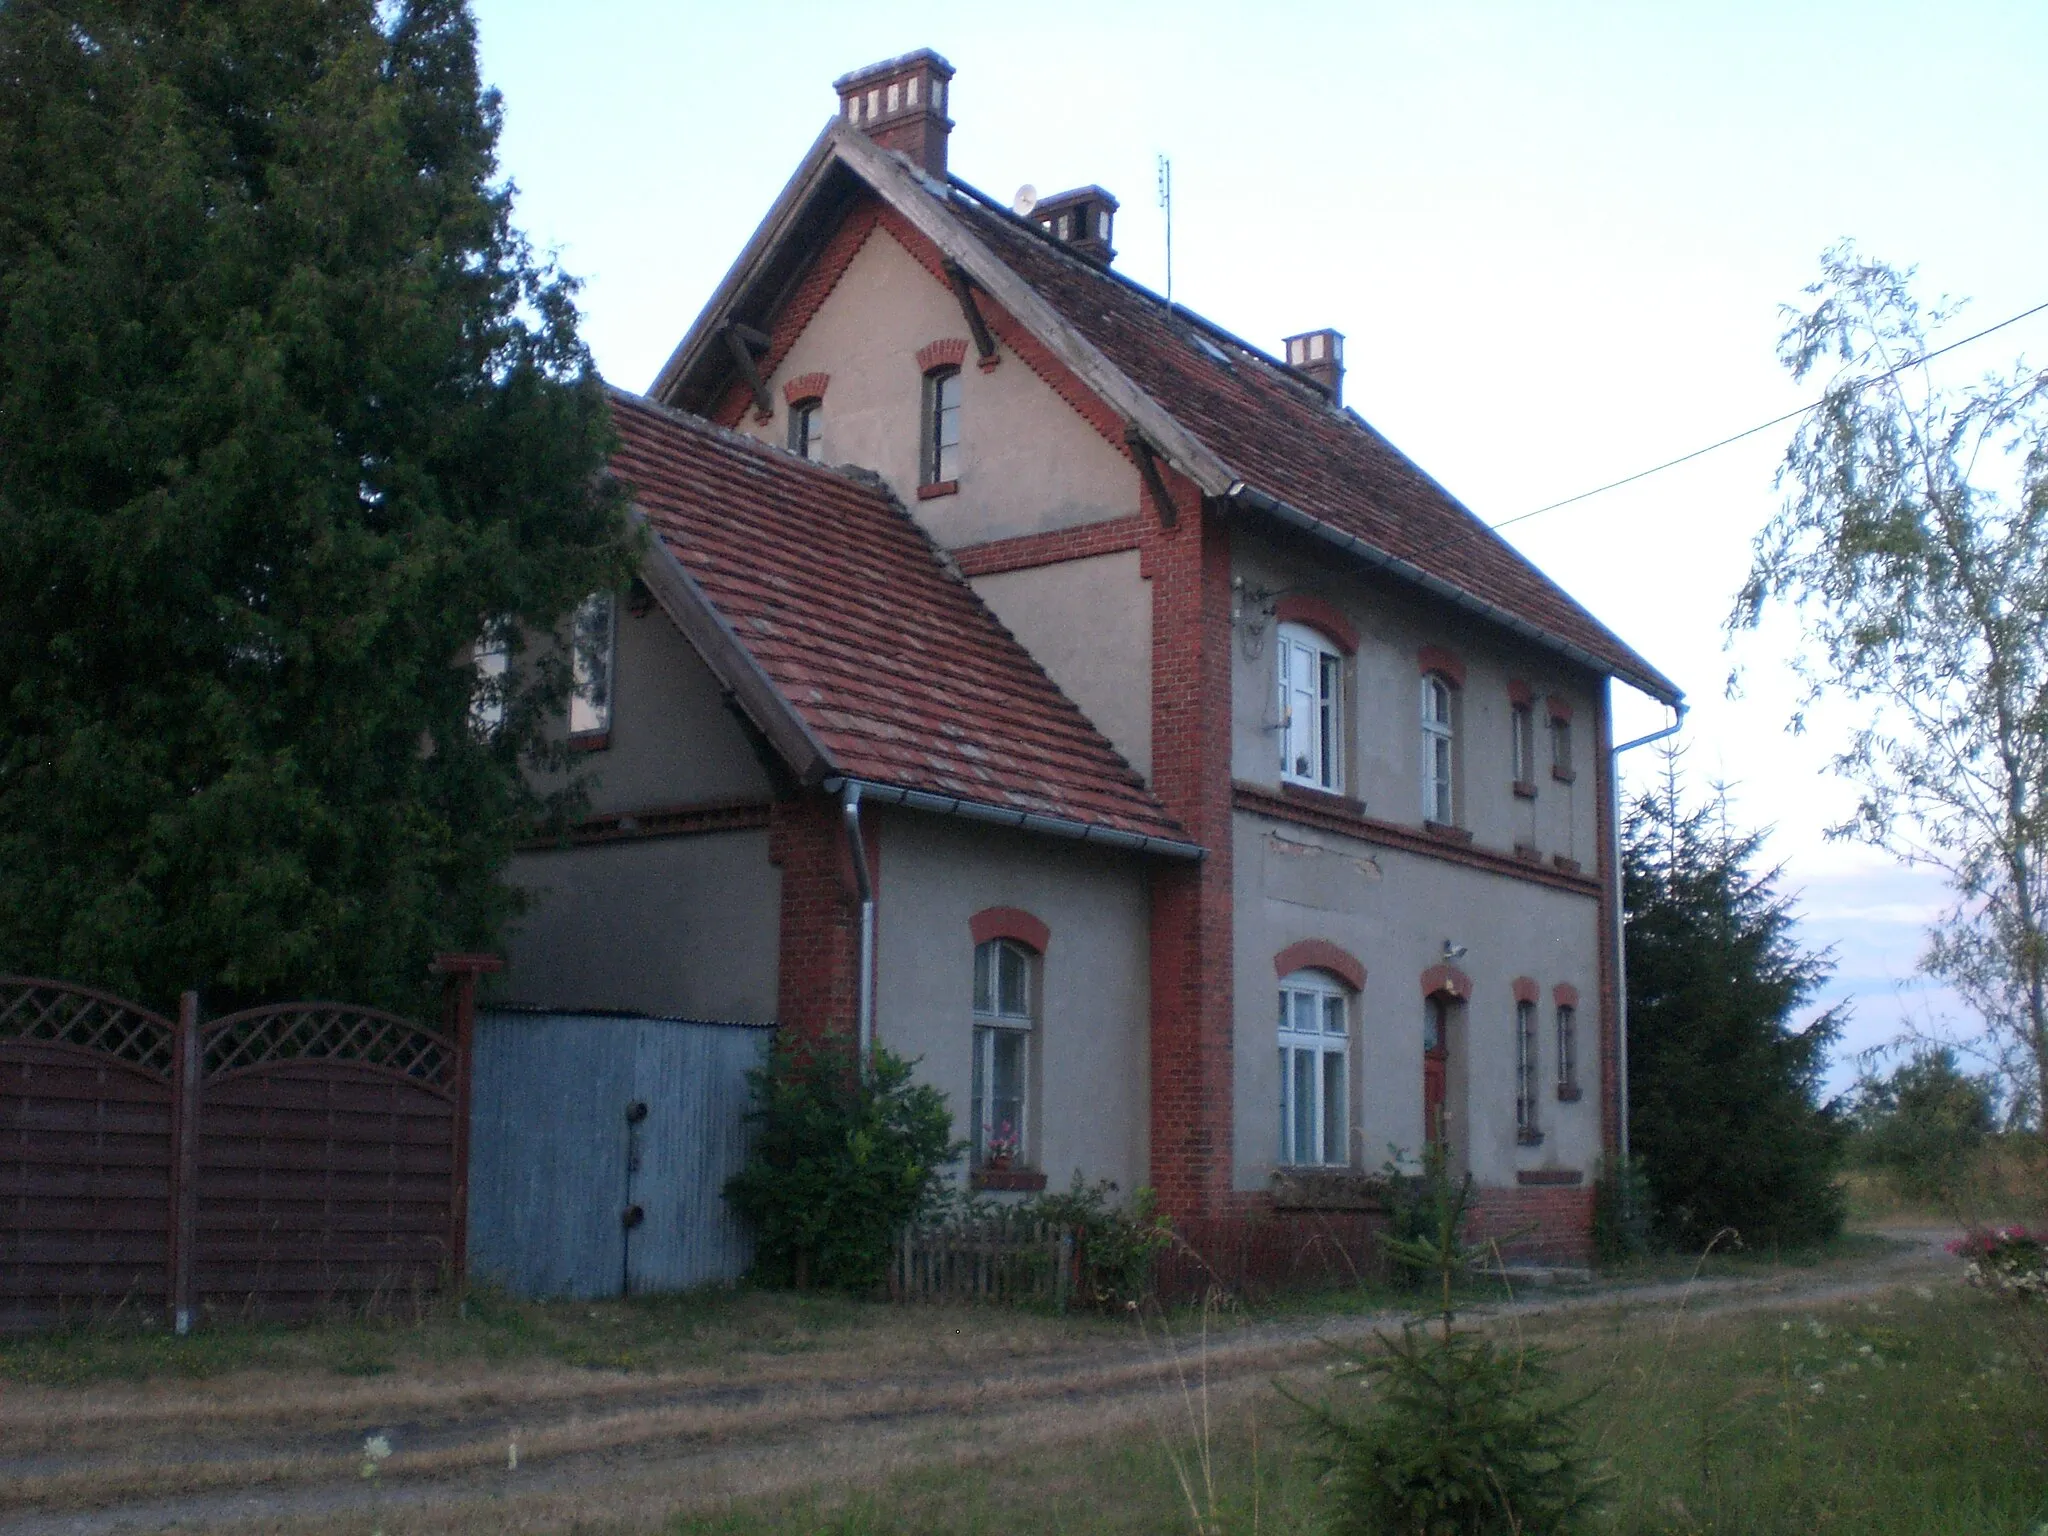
{"x": 1565, "y": 995}
{"x": 806, "y": 386}
{"x": 1009, "y": 923}
{"x": 1447, "y": 981}
{"x": 1526, "y": 990}
{"x": 1321, "y": 955}
{"x": 1448, "y": 665}
{"x": 1325, "y": 618}
{"x": 1560, "y": 709}
{"x": 949, "y": 353}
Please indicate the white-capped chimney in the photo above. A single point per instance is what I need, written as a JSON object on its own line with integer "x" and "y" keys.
{"x": 901, "y": 105}
{"x": 1083, "y": 220}
{"x": 1319, "y": 355}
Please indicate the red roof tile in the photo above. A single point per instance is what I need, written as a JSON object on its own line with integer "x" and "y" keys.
{"x": 1282, "y": 437}
{"x": 899, "y": 671}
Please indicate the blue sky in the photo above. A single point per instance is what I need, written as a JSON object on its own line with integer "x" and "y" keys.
{"x": 1556, "y": 237}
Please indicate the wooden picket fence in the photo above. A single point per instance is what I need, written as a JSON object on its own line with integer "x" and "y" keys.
{"x": 995, "y": 1260}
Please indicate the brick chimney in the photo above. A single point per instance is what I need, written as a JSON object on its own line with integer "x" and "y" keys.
{"x": 901, "y": 105}
{"x": 1083, "y": 220}
{"x": 1319, "y": 355}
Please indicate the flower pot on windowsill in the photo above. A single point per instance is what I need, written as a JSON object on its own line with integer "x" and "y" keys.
{"x": 998, "y": 1162}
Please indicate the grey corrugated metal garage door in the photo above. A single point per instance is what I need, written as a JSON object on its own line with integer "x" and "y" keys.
{"x": 574, "y": 1191}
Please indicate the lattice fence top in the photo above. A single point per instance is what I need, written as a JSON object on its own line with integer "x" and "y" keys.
{"x": 327, "y": 1032}
{"x": 32, "y": 1008}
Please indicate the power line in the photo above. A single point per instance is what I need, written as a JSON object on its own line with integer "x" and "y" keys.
{"x": 1765, "y": 426}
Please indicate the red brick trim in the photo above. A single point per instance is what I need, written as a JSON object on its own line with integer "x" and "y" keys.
{"x": 1028, "y": 550}
{"x": 1009, "y": 923}
{"x": 1559, "y": 709}
{"x": 1564, "y": 995}
{"x": 937, "y": 489}
{"x": 1563, "y": 775}
{"x": 1324, "y": 617}
{"x": 1446, "y": 664}
{"x": 1525, "y": 989}
{"x": 1443, "y": 831}
{"x": 808, "y": 297}
{"x": 1028, "y": 1180}
{"x": 1446, "y": 980}
{"x": 658, "y": 821}
{"x": 1561, "y": 1176}
{"x": 1520, "y": 693}
{"x": 948, "y": 353}
{"x": 805, "y": 386}
{"x": 1321, "y": 955}
{"x": 1565, "y": 862}
{"x": 1332, "y": 813}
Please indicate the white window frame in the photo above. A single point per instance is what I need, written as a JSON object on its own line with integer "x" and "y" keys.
{"x": 593, "y": 664}
{"x": 1311, "y": 683}
{"x": 1315, "y": 1135}
{"x": 1528, "y": 1073}
{"x": 1439, "y": 749}
{"x": 1001, "y": 1020}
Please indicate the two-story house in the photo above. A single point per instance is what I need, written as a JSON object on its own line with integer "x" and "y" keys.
{"x": 1232, "y": 804}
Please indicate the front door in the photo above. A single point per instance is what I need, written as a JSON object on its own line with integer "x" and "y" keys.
{"x": 1436, "y": 1051}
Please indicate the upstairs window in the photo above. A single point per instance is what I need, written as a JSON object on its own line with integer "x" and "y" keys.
{"x": 1522, "y": 731}
{"x": 593, "y": 635}
{"x": 1438, "y": 756}
{"x": 1003, "y": 1021}
{"x": 1311, "y": 710}
{"x": 1560, "y": 746}
{"x": 941, "y": 464}
{"x": 1315, "y": 1039}
{"x": 807, "y": 430}
{"x": 1526, "y": 1128}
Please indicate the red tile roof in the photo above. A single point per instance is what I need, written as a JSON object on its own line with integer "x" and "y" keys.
{"x": 897, "y": 669}
{"x": 1282, "y": 437}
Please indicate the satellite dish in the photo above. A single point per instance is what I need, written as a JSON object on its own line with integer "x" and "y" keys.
{"x": 1025, "y": 200}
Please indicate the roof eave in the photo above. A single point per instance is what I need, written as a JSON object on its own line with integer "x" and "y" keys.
{"x": 1066, "y": 827}
{"x": 1645, "y": 678}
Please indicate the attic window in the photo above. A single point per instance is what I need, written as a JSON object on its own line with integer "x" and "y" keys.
{"x": 807, "y": 430}
{"x": 593, "y": 641}
{"x": 941, "y": 446}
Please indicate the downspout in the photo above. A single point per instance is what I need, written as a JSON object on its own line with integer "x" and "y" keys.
{"x": 1620, "y": 921}
{"x": 856, "y": 845}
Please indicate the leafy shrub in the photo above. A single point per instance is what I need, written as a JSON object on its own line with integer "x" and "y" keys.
{"x": 1923, "y": 1126}
{"x": 838, "y": 1164}
{"x": 1621, "y": 1212}
{"x": 1117, "y": 1242}
{"x": 1462, "y": 1437}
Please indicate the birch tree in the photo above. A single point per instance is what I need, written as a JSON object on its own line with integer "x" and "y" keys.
{"x": 1911, "y": 549}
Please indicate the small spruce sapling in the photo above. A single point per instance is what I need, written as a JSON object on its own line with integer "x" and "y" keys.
{"x": 1462, "y": 1436}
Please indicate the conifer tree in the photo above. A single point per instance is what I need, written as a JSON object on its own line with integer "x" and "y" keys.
{"x": 290, "y": 414}
{"x": 1724, "y": 1091}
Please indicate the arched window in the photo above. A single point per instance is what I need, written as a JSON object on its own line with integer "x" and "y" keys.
{"x": 1527, "y": 1129}
{"x": 807, "y": 429}
{"x": 1438, "y": 750}
{"x": 941, "y": 454}
{"x": 1004, "y": 1016}
{"x": 1315, "y": 1078}
{"x": 1311, "y": 709}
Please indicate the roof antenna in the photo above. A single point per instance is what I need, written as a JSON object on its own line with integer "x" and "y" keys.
{"x": 1166, "y": 202}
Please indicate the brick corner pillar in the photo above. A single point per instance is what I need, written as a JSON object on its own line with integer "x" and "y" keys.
{"x": 1605, "y": 808}
{"x": 1193, "y": 1079}
{"x": 818, "y": 959}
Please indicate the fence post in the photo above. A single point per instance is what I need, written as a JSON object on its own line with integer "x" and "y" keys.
{"x": 459, "y": 999}
{"x": 184, "y": 1212}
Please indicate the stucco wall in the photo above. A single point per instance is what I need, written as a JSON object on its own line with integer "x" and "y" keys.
{"x": 1384, "y": 735}
{"x": 672, "y": 741}
{"x": 1393, "y": 910}
{"x": 1028, "y": 462}
{"x": 1092, "y": 1084}
{"x": 1089, "y": 624}
{"x": 676, "y": 925}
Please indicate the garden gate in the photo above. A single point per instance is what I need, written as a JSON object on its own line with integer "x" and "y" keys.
{"x": 267, "y": 1163}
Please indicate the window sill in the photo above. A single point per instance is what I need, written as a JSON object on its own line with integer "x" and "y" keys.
{"x": 1549, "y": 1176}
{"x": 1310, "y": 794}
{"x": 1529, "y": 852}
{"x": 1445, "y": 833}
{"x": 1528, "y": 1138}
{"x": 1569, "y": 1093}
{"x": 937, "y": 489}
{"x": 591, "y": 741}
{"x": 1562, "y": 775}
{"x": 1025, "y": 1180}
{"x": 1560, "y": 862}
{"x": 1525, "y": 789}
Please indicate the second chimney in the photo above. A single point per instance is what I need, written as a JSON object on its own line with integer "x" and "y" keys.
{"x": 901, "y": 105}
{"x": 1319, "y": 355}
{"x": 1083, "y": 220}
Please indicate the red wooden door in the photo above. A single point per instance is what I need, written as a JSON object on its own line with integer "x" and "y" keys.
{"x": 1435, "y": 1055}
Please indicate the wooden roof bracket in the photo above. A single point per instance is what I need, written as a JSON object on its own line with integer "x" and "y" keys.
{"x": 963, "y": 290}
{"x": 1148, "y": 471}
{"x": 743, "y": 341}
